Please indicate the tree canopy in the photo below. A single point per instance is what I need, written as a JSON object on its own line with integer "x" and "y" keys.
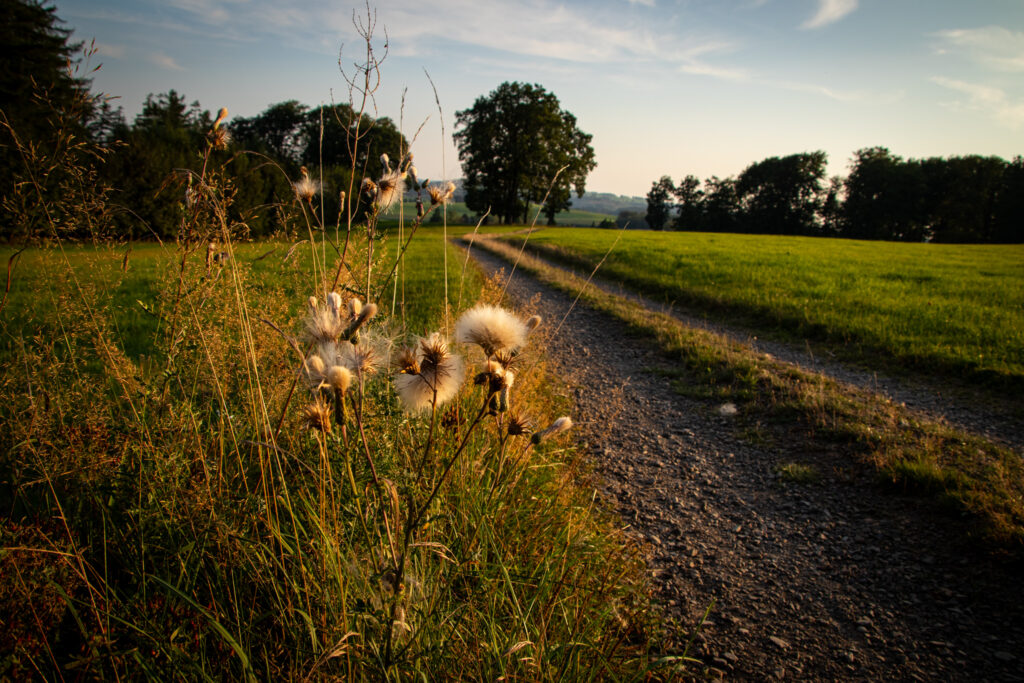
{"x": 512, "y": 143}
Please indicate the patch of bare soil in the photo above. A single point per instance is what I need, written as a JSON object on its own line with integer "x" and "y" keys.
{"x": 835, "y": 579}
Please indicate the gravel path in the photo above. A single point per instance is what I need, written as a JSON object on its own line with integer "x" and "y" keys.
{"x": 833, "y": 580}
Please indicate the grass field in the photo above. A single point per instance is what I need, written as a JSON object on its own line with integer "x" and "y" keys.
{"x": 572, "y": 217}
{"x": 178, "y": 504}
{"x": 810, "y": 416}
{"x": 955, "y": 309}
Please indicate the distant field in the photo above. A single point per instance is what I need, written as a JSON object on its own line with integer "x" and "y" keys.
{"x": 572, "y": 217}
{"x": 136, "y": 296}
{"x": 958, "y": 307}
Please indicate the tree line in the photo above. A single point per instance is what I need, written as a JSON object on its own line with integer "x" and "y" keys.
{"x": 968, "y": 199}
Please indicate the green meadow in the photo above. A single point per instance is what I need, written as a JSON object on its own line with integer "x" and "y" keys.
{"x": 183, "y": 503}
{"x": 950, "y": 309}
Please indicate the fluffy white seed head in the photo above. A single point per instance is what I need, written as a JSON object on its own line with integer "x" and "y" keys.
{"x": 390, "y": 188}
{"x": 339, "y": 378}
{"x": 438, "y": 380}
{"x": 560, "y": 425}
{"x": 491, "y": 328}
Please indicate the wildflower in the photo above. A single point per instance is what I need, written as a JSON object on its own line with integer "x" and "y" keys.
{"x": 305, "y": 187}
{"x": 491, "y": 328}
{"x": 385, "y": 162}
{"x": 439, "y": 194}
{"x": 390, "y": 189}
{"x": 315, "y": 370}
{"x": 430, "y": 376}
{"x": 317, "y": 417}
{"x": 560, "y": 425}
{"x": 518, "y": 425}
{"x": 411, "y": 170}
{"x": 533, "y": 322}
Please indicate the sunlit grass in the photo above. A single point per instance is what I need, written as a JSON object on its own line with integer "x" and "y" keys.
{"x": 949, "y": 308}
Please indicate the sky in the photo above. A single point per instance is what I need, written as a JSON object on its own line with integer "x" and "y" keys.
{"x": 665, "y": 87}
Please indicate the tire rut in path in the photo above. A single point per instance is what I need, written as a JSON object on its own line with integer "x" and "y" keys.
{"x": 823, "y": 581}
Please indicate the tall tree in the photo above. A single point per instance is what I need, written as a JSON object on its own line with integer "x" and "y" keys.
{"x": 691, "y": 204}
{"x": 884, "y": 197}
{"x": 783, "y": 195}
{"x": 659, "y": 202}
{"x": 721, "y": 204}
{"x": 512, "y": 143}
{"x": 44, "y": 108}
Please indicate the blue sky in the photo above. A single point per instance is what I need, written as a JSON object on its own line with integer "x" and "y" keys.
{"x": 666, "y": 87}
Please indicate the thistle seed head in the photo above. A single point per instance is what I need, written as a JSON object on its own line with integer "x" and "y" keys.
{"x": 316, "y": 416}
{"x": 390, "y": 189}
{"x": 439, "y": 377}
{"x": 339, "y": 378}
{"x": 493, "y": 329}
{"x": 560, "y": 425}
{"x": 305, "y": 187}
{"x": 369, "y": 189}
{"x": 518, "y": 424}
{"x": 407, "y": 362}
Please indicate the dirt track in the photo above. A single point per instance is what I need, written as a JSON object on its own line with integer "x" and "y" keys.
{"x": 822, "y": 581}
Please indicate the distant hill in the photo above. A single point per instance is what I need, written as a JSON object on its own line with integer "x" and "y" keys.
{"x": 606, "y": 202}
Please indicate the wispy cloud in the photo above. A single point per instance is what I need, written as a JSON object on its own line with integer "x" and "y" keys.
{"x": 645, "y": 3}
{"x": 109, "y": 50}
{"x": 829, "y": 11}
{"x": 993, "y": 47}
{"x": 988, "y": 99}
{"x": 165, "y": 61}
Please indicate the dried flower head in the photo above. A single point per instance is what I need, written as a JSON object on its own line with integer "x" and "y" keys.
{"x": 439, "y": 377}
{"x": 316, "y": 416}
{"x": 362, "y": 359}
{"x": 518, "y": 424}
{"x": 493, "y": 329}
{"x": 369, "y": 189}
{"x": 385, "y": 162}
{"x": 560, "y": 425}
{"x": 390, "y": 187}
{"x": 441, "y": 194}
{"x": 325, "y": 323}
{"x": 533, "y": 322}
{"x": 408, "y": 363}
{"x": 339, "y": 378}
{"x": 219, "y": 138}
{"x": 305, "y": 187}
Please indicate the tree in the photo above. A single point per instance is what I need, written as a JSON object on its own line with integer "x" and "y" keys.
{"x": 659, "y": 205}
{"x": 279, "y": 131}
{"x": 44, "y": 108}
{"x": 1009, "y": 209}
{"x": 721, "y": 204}
{"x": 691, "y": 204}
{"x": 884, "y": 198}
{"x": 512, "y": 143}
{"x": 782, "y": 195}
{"x": 36, "y": 55}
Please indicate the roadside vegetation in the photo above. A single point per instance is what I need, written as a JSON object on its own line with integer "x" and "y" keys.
{"x": 955, "y": 310}
{"x": 331, "y": 456}
{"x": 805, "y": 414}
